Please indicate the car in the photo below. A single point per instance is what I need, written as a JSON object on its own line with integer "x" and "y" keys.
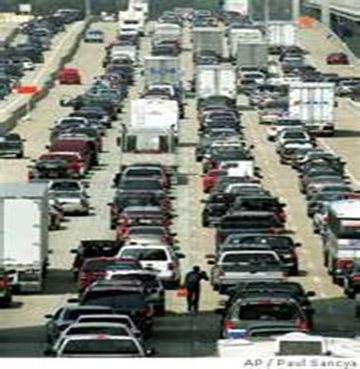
{"x": 129, "y": 298}
{"x": 73, "y": 202}
{"x": 261, "y": 307}
{"x": 100, "y": 346}
{"x": 148, "y": 234}
{"x": 283, "y": 245}
{"x": 291, "y": 135}
{"x": 12, "y": 144}
{"x": 151, "y": 281}
{"x": 76, "y": 329}
{"x": 337, "y": 58}
{"x": 94, "y": 36}
{"x": 89, "y": 249}
{"x": 69, "y": 76}
{"x": 66, "y": 185}
{"x": 159, "y": 257}
{"x": 66, "y": 315}
{"x": 93, "y": 269}
{"x": 216, "y": 206}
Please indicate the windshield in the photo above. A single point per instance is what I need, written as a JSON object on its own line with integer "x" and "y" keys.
{"x": 95, "y": 265}
{"x": 115, "y": 331}
{"x": 249, "y": 258}
{"x": 115, "y": 299}
{"x": 100, "y": 346}
{"x": 147, "y": 254}
{"x": 140, "y": 185}
{"x": 267, "y": 310}
{"x": 248, "y": 222}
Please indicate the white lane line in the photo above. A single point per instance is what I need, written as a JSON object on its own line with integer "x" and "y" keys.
{"x": 41, "y": 72}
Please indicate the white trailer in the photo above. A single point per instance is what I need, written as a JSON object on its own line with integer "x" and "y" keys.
{"x": 24, "y": 234}
{"x": 252, "y": 55}
{"x": 215, "y": 80}
{"x": 236, "y": 6}
{"x": 166, "y": 32}
{"x": 162, "y": 70}
{"x": 314, "y": 104}
{"x": 281, "y": 34}
{"x": 208, "y": 39}
{"x": 243, "y": 36}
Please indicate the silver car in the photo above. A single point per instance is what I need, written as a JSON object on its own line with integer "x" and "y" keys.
{"x": 73, "y": 202}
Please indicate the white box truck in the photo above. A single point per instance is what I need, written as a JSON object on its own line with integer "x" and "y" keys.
{"x": 252, "y": 55}
{"x": 24, "y": 234}
{"x": 314, "y": 104}
{"x": 243, "y": 36}
{"x": 236, "y": 6}
{"x": 152, "y": 127}
{"x": 162, "y": 70}
{"x": 216, "y": 80}
{"x": 208, "y": 39}
{"x": 131, "y": 21}
{"x": 281, "y": 34}
{"x": 166, "y": 32}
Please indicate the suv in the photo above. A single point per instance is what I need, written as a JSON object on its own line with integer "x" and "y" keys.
{"x": 159, "y": 257}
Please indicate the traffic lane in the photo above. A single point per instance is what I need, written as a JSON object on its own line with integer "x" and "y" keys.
{"x": 29, "y": 309}
{"x": 334, "y": 312}
{"x": 64, "y": 43}
{"x": 320, "y": 46}
{"x": 35, "y": 127}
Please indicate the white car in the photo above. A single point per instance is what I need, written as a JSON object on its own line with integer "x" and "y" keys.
{"x": 235, "y": 187}
{"x": 280, "y": 124}
{"x": 110, "y": 318}
{"x": 293, "y": 134}
{"x": 101, "y": 346}
{"x": 160, "y": 258}
{"x": 94, "y": 35}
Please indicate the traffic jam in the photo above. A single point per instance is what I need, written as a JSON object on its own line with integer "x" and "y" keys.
{"x": 126, "y": 283}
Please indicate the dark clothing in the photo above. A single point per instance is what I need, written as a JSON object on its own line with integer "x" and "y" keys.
{"x": 192, "y": 284}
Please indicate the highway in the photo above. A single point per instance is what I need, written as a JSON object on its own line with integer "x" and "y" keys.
{"x": 61, "y": 46}
{"x": 177, "y": 333}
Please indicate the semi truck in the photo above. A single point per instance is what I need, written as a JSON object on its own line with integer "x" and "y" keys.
{"x": 281, "y": 34}
{"x": 24, "y": 234}
{"x": 216, "y": 80}
{"x": 314, "y": 104}
{"x": 208, "y": 39}
{"x": 252, "y": 55}
{"x": 152, "y": 127}
{"x": 243, "y": 35}
{"x": 162, "y": 70}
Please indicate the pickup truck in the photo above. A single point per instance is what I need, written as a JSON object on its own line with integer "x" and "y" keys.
{"x": 233, "y": 267}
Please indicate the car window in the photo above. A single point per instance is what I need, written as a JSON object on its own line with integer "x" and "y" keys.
{"x": 145, "y": 254}
{"x": 100, "y": 346}
{"x": 115, "y": 299}
{"x": 65, "y": 186}
{"x": 115, "y": 331}
{"x": 96, "y": 265}
{"x": 267, "y": 311}
{"x": 105, "y": 319}
{"x": 73, "y": 314}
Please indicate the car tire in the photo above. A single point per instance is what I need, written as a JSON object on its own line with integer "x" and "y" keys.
{"x": 205, "y": 223}
{"x": 20, "y": 155}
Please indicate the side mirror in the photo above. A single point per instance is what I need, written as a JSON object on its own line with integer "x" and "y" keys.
{"x": 47, "y": 147}
{"x": 73, "y": 251}
{"x": 209, "y": 256}
{"x": 180, "y": 256}
{"x": 203, "y": 201}
{"x": 311, "y": 293}
{"x": 48, "y": 316}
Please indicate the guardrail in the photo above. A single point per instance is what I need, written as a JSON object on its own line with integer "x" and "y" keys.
{"x": 11, "y": 122}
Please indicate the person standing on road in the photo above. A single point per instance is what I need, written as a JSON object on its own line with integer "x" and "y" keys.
{"x": 193, "y": 284}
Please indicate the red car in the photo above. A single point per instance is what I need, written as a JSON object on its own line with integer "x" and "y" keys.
{"x": 69, "y": 76}
{"x": 95, "y": 268}
{"x": 210, "y": 179}
{"x": 337, "y": 59}
{"x": 76, "y": 165}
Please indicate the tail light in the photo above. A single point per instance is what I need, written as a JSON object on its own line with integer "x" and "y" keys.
{"x": 344, "y": 263}
{"x": 228, "y": 324}
{"x": 171, "y": 266}
{"x": 3, "y": 283}
{"x": 302, "y": 324}
{"x": 356, "y": 278}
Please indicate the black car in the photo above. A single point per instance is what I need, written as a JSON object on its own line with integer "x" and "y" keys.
{"x": 216, "y": 206}
{"x": 283, "y": 245}
{"x": 352, "y": 281}
{"x": 11, "y": 144}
